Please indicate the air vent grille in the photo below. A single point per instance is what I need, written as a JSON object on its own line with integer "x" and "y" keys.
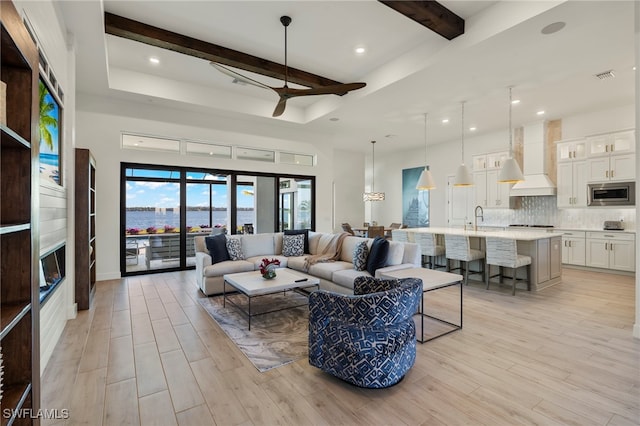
{"x": 605, "y": 75}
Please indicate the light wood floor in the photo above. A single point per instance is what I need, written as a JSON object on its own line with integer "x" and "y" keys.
{"x": 148, "y": 354}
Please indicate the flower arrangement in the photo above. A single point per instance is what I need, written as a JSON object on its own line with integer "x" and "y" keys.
{"x": 268, "y": 268}
{"x": 133, "y": 231}
{"x": 152, "y": 230}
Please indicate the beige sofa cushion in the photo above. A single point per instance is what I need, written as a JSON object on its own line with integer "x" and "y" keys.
{"x": 314, "y": 238}
{"x": 396, "y": 251}
{"x": 325, "y": 270}
{"x": 296, "y": 263}
{"x": 228, "y": 267}
{"x": 346, "y": 277}
{"x": 258, "y": 245}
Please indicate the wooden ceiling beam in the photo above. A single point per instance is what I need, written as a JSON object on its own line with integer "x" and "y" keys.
{"x": 154, "y": 36}
{"x": 431, "y": 14}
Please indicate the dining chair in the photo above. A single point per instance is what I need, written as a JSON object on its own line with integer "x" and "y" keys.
{"x": 399, "y": 235}
{"x": 457, "y": 247}
{"x": 346, "y": 227}
{"x": 393, "y": 226}
{"x": 503, "y": 252}
{"x": 375, "y": 231}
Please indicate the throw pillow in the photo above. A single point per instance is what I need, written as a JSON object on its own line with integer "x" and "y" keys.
{"x": 234, "y": 247}
{"x": 304, "y": 232}
{"x": 377, "y": 255}
{"x": 293, "y": 245}
{"x": 360, "y": 254}
{"x": 217, "y": 246}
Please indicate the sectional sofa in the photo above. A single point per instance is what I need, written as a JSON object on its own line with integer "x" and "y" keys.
{"x": 335, "y": 276}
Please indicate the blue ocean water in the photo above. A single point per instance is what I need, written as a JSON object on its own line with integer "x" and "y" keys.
{"x": 145, "y": 219}
{"x": 50, "y": 159}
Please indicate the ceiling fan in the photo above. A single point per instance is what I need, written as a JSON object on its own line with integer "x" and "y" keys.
{"x": 285, "y": 92}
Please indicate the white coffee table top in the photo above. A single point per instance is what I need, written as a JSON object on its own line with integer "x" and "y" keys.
{"x": 430, "y": 278}
{"x": 252, "y": 283}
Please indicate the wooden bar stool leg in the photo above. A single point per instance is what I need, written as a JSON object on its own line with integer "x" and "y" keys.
{"x": 513, "y": 281}
{"x": 466, "y": 271}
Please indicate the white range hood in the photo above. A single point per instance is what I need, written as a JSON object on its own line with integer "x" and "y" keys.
{"x": 536, "y": 182}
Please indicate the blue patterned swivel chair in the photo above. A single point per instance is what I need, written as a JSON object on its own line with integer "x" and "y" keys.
{"x": 368, "y": 339}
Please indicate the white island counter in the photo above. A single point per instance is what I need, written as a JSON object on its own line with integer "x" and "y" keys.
{"x": 545, "y": 249}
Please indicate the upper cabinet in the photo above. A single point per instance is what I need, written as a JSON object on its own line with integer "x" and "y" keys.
{"x": 571, "y": 150}
{"x": 491, "y": 161}
{"x": 611, "y": 143}
{"x": 611, "y": 157}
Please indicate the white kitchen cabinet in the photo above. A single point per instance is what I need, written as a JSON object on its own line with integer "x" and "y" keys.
{"x": 612, "y": 168}
{"x": 610, "y": 250}
{"x": 490, "y": 161}
{"x": 555, "y": 257}
{"x": 574, "y": 248}
{"x": 572, "y": 184}
{"x": 490, "y": 193}
{"x": 611, "y": 157}
{"x": 571, "y": 150}
{"x": 611, "y": 143}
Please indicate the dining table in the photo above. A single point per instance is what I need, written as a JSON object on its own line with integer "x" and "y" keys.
{"x": 363, "y": 231}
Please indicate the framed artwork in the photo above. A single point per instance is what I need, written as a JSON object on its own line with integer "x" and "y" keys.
{"x": 415, "y": 203}
{"x": 50, "y": 130}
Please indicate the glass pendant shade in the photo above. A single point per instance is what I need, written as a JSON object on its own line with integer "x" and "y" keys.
{"x": 373, "y": 196}
{"x": 426, "y": 181}
{"x": 463, "y": 176}
{"x": 510, "y": 172}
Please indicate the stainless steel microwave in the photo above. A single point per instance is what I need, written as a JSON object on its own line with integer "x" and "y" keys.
{"x": 612, "y": 194}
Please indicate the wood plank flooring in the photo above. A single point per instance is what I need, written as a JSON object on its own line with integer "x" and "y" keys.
{"x": 148, "y": 354}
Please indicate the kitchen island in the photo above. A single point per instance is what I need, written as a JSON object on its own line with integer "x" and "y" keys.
{"x": 544, "y": 248}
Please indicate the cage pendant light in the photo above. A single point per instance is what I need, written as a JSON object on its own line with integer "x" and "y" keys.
{"x": 463, "y": 175}
{"x": 373, "y": 196}
{"x": 510, "y": 172}
{"x": 426, "y": 181}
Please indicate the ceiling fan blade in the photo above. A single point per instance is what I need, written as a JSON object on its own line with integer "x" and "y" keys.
{"x": 282, "y": 103}
{"x": 238, "y": 76}
{"x": 336, "y": 89}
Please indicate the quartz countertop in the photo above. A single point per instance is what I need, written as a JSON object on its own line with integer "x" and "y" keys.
{"x": 529, "y": 235}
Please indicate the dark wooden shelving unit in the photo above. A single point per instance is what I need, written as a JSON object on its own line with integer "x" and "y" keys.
{"x": 19, "y": 257}
{"x": 85, "y": 228}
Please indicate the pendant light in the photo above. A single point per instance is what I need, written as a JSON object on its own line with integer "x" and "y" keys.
{"x": 463, "y": 175}
{"x": 426, "y": 181}
{"x": 373, "y": 196}
{"x": 510, "y": 172}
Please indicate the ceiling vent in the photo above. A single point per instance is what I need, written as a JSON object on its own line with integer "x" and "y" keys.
{"x": 605, "y": 75}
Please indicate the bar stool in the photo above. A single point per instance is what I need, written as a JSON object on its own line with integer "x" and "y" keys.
{"x": 457, "y": 247}
{"x": 503, "y": 252}
{"x": 428, "y": 243}
{"x": 399, "y": 236}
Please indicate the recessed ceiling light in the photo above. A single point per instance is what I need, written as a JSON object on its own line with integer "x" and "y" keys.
{"x": 473, "y": 129}
{"x": 445, "y": 120}
{"x": 540, "y": 112}
{"x": 553, "y": 28}
{"x": 515, "y": 101}
{"x": 634, "y": 68}
{"x": 360, "y": 50}
{"x": 154, "y": 60}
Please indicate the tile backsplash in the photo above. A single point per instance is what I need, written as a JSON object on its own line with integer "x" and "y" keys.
{"x": 544, "y": 211}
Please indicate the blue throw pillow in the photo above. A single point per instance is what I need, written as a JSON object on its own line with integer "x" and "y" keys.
{"x": 217, "y": 246}
{"x": 305, "y": 232}
{"x": 377, "y": 255}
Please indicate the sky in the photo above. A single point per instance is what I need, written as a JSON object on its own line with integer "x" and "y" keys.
{"x": 167, "y": 194}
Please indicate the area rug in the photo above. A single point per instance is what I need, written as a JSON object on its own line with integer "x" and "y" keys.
{"x": 276, "y": 338}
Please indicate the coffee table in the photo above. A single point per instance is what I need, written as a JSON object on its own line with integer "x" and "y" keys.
{"x": 432, "y": 280}
{"x": 252, "y": 285}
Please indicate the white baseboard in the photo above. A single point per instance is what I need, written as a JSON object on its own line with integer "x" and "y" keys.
{"x": 108, "y": 276}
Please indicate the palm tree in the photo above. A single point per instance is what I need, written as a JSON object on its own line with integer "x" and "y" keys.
{"x": 46, "y": 119}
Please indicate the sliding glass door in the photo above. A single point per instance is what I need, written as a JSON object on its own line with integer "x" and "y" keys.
{"x": 164, "y": 208}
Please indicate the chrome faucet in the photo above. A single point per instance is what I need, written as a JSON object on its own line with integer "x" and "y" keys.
{"x": 475, "y": 219}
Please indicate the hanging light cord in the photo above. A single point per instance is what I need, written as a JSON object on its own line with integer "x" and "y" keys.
{"x": 425, "y": 142}
{"x": 373, "y": 165}
{"x": 510, "y": 131}
{"x": 462, "y": 132}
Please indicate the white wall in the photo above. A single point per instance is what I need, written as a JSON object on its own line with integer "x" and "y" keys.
{"x": 100, "y": 123}
{"x": 348, "y": 182}
{"x": 54, "y": 230}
